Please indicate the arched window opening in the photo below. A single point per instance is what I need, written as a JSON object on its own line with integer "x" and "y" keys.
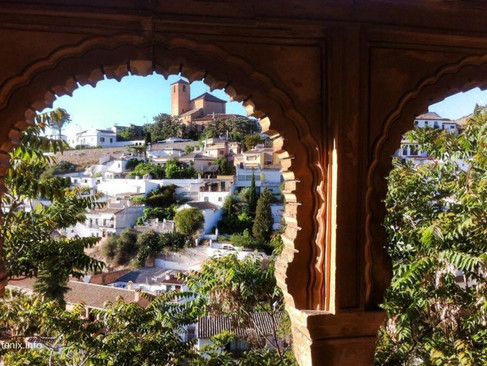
{"x": 435, "y": 223}
{"x": 133, "y": 186}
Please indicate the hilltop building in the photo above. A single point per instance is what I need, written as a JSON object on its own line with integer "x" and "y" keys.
{"x": 409, "y": 150}
{"x": 196, "y": 112}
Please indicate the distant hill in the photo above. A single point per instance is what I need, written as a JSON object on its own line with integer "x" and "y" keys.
{"x": 89, "y": 157}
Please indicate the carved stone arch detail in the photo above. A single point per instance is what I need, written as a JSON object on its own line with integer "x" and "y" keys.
{"x": 450, "y": 79}
{"x": 94, "y": 59}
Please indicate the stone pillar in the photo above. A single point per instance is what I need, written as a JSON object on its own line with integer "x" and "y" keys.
{"x": 326, "y": 339}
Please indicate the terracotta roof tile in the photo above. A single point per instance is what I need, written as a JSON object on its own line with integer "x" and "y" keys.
{"x": 209, "y": 326}
{"x": 92, "y": 295}
{"x": 208, "y": 97}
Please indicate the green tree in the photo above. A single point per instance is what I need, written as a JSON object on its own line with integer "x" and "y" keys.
{"x": 148, "y": 245}
{"x": 62, "y": 167}
{"x": 165, "y": 126}
{"x": 251, "y": 140}
{"x": 132, "y": 163}
{"x": 189, "y": 221}
{"x": 229, "y": 207}
{"x": 189, "y": 149}
{"x": 224, "y": 167}
{"x": 141, "y": 169}
{"x": 253, "y": 196}
{"x": 174, "y": 169}
{"x": 264, "y": 220}
{"x": 148, "y": 138}
{"x": 236, "y": 128}
{"x": 240, "y": 288}
{"x": 110, "y": 248}
{"x": 56, "y": 120}
{"x": 244, "y": 240}
{"x": 121, "y": 334}
{"x": 132, "y": 132}
{"x": 163, "y": 197}
{"x": 32, "y": 250}
{"x": 436, "y": 228}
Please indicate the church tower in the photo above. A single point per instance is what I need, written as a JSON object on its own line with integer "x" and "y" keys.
{"x": 179, "y": 97}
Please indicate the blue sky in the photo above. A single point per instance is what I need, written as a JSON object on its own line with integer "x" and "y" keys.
{"x": 135, "y": 99}
{"x": 460, "y": 104}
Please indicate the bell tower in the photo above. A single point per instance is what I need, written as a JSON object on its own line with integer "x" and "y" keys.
{"x": 179, "y": 97}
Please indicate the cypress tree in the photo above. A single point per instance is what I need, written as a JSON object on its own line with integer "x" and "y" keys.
{"x": 252, "y": 194}
{"x": 262, "y": 228}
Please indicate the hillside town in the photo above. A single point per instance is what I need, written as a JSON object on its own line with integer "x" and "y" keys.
{"x": 196, "y": 199}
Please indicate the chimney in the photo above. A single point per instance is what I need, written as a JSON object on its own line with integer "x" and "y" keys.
{"x": 137, "y": 295}
{"x": 130, "y": 285}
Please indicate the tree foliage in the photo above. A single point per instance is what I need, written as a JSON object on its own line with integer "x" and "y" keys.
{"x": 174, "y": 169}
{"x": 56, "y": 120}
{"x": 119, "y": 250}
{"x": 122, "y": 334}
{"x": 436, "y": 225}
{"x": 250, "y": 141}
{"x": 236, "y": 128}
{"x": 132, "y": 132}
{"x": 165, "y": 126}
{"x": 240, "y": 288}
{"x": 32, "y": 250}
{"x": 262, "y": 228}
{"x": 224, "y": 166}
{"x": 154, "y": 170}
{"x": 189, "y": 221}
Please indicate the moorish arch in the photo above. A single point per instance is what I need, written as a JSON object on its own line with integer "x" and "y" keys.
{"x": 302, "y": 270}
{"x": 468, "y": 73}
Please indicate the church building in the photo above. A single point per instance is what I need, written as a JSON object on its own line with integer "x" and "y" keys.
{"x": 196, "y": 112}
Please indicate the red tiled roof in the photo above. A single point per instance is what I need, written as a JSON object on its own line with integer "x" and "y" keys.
{"x": 209, "y": 326}
{"x": 94, "y": 296}
{"x": 432, "y": 115}
{"x": 215, "y": 116}
{"x": 208, "y": 97}
{"x": 180, "y": 81}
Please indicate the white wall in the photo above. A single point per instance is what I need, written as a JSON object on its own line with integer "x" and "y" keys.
{"x": 115, "y": 186}
{"x": 127, "y": 218}
{"x": 217, "y": 198}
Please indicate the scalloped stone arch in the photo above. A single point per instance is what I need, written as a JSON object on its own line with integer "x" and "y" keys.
{"x": 450, "y": 79}
{"x": 93, "y": 59}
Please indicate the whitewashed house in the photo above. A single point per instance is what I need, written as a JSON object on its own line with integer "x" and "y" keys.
{"x": 216, "y": 190}
{"x": 93, "y": 137}
{"x": 265, "y": 177}
{"x": 152, "y": 280}
{"x": 106, "y": 221}
{"x": 113, "y": 187}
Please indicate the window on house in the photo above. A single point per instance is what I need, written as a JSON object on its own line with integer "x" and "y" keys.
{"x": 220, "y": 199}
{"x": 102, "y": 139}
{"x": 416, "y": 123}
{"x": 207, "y": 199}
{"x": 111, "y": 139}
